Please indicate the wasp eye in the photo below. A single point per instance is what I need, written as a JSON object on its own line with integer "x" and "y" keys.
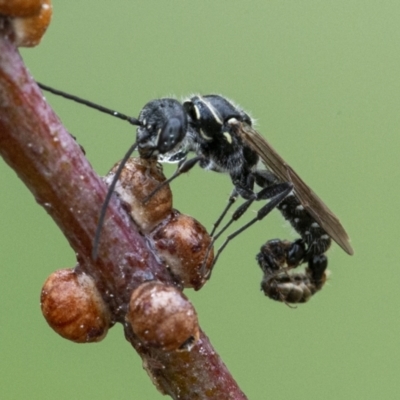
{"x": 171, "y": 134}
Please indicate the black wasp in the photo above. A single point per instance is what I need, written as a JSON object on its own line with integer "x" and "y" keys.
{"x": 224, "y": 140}
{"x": 168, "y": 131}
{"x": 306, "y": 212}
{"x": 309, "y": 216}
{"x": 222, "y": 137}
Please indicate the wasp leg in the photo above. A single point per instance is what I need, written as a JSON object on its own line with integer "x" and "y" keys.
{"x": 276, "y": 193}
{"x": 184, "y": 166}
{"x": 279, "y": 254}
{"x": 243, "y": 187}
{"x": 232, "y": 198}
{"x": 109, "y": 194}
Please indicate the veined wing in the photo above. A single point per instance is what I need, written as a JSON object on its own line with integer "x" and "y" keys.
{"x": 309, "y": 200}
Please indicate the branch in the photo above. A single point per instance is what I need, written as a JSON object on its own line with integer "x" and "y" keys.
{"x": 52, "y": 165}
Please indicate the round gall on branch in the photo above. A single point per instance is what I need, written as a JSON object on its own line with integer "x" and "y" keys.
{"x": 29, "y": 19}
{"x": 137, "y": 180}
{"x": 162, "y": 317}
{"x": 73, "y": 307}
{"x": 20, "y": 8}
{"x": 179, "y": 240}
{"x": 182, "y": 243}
{"x": 72, "y": 304}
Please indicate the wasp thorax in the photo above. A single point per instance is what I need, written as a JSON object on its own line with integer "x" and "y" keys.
{"x": 209, "y": 113}
{"x": 162, "y": 317}
{"x": 73, "y": 307}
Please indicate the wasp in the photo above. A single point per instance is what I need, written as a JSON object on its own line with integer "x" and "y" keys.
{"x": 306, "y": 212}
{"x": 169, "y": 131}
{"x": 225, "y": 141}
{"x": 222, "y": 137}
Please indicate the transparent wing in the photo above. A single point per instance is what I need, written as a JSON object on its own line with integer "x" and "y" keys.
{"x": 310, "y": 201}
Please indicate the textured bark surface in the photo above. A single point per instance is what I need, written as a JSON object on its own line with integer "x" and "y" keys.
{"x": 52, "y": 165}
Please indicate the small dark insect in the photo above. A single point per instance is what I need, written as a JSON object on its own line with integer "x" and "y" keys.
{"x": 222, "y": 137}
{"x": 307, "y": 199}
{"x": 308, "y": 215}
{"x": 224, "y": 140}
{"x": 219, "y": 150}
{"x": 164, "y": 133}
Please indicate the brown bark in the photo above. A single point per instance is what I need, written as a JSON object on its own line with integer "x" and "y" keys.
{"x": 52, "y": 165}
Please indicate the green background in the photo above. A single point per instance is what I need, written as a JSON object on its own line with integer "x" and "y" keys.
{"x": 322, "y": 79}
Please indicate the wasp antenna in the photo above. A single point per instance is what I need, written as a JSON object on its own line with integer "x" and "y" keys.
{"x": 131, "y": 120}
{"x": 134, "y": 121}
{"x": 107, "y": 200}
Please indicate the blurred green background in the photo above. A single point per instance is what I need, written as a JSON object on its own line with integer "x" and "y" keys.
{"x": 323, "y": 81}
